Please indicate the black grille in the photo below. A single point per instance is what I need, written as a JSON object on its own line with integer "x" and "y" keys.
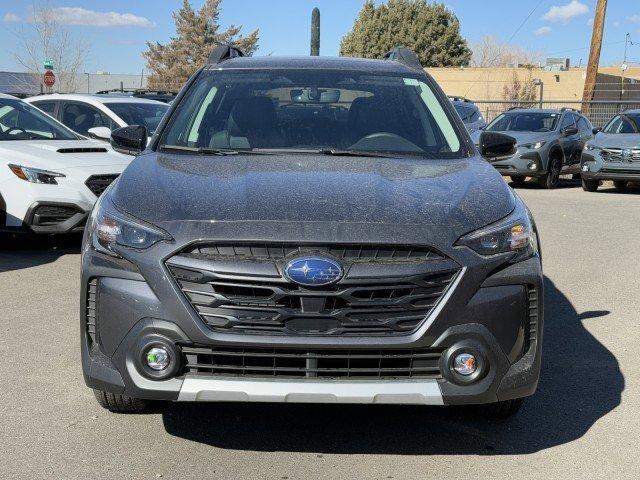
{"x": 99, "y": 183}
{"x": 45, "y": 215}
{"x": 376, "y": 302}
{"x": 622, "y": 171}
{"x": 277, "y": 251}
{"x": 326, "y": 364}
{"x": 83, "y": 150}
{"x": 532, "y": 333}
{"x": 92, "y": 295}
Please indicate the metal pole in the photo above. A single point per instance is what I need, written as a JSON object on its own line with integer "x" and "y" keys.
{"x": 88, "y": 78}
{"x": 541, "y": 95}
{"x": 624, "y": 65}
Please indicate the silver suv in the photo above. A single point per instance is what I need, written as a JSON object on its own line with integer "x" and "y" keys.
{"x": 549, "y": 143}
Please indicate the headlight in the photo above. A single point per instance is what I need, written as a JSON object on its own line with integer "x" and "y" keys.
{"x": 35, "y": 175}
{"x": 590, "y": 147}
{"x": 533, "y": 145}
{"x": 514, "y": 233}
{"x": 111, "y": 230}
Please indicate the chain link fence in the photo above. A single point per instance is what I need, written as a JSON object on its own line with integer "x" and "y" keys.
{"x": 599, "y": 112}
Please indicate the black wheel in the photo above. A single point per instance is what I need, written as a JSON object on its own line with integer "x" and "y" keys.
{"x": 519, "y": 181}
{"x": 620, "y": 184}
{"x": 120, "y": 403}
{"x": 550, "y": 179}
{"x": 501, "y": 410}
{"x": 590, "y": 185}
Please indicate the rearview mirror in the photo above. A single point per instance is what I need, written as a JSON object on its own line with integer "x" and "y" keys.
{"x": 131, "y": 140}
{"x": 99, "y": 133}
{"x": 496, "y": 146}
{"x": 596, "y": 130}
{"x": 314, "y": 95}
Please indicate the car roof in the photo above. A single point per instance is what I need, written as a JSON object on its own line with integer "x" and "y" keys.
{"x": 635, "y": 111}
{"x": 320, "y": 63}
{"x": 538, "y": 110}
{"x": 95, "y": 98}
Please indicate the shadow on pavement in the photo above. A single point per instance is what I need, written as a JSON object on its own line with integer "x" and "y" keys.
{"x": 532, "y": 184}
{"x": 25, "y": 250}
{"x": 581, "y": 382}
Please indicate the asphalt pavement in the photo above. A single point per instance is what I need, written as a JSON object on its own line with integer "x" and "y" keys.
{"x": 583, "y": 423}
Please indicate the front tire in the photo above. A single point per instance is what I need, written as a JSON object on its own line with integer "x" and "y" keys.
{"x": 590, "y": 185}
{"x": 551, "y": 179}
{"x": 120, "y": 403}
{"x": 620, "y": 185}
{"x": 518, "y": 181}
{"x": 501, "y": 410}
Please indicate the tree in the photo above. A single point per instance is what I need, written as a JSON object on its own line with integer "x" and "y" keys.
{"x": 197, "y": 33}
{"x": 520, "y": 91}
{"x": 315, "y": 32}
{"x": 490, "y": 52}
{"x": 48, "y": 39}
{"x": 430, "y": 30}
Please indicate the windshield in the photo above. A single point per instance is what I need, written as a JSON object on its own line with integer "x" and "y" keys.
{"x": 310, "y": 110}
{"x": 626, "y": 123}
{"x": 147, "y": 114}
{"x": 524, "y": 122}
{"x": 21, "y": 121}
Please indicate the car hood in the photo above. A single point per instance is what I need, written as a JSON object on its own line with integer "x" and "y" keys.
{"x": 311, "y": 189}
{"x": 522, "y": 138}
{"x": 61, "y": 154}
{"x": 618, "y": 140}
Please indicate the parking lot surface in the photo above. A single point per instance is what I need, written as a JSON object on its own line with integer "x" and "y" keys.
{"x": 582, "y": 423}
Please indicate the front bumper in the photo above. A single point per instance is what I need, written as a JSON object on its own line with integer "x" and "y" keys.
{"x": 521, "y": 163}
{"x": 495, "y": 309}
{"x": 594, "y": 167}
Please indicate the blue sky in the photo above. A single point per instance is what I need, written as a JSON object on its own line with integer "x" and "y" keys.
{"x": 118, "y": 32}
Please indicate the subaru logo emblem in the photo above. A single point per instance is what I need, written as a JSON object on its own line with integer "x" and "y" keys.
{"x": 313, "y": 271}
{"x": 627, "y": 153}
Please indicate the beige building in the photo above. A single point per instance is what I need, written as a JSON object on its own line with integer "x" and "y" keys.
{"x": 490, "y": 83}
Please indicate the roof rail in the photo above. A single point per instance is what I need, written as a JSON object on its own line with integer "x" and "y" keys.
{"x": 404, "y": 56}
{"x": 222, "y": 53}
{"x": 564, "y": 109}
{"x": 456, "y": 98}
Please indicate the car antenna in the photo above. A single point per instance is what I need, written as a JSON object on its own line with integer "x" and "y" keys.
{"x": 224, "y": 52}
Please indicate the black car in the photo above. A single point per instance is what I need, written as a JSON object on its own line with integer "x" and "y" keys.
{"x": 311, "y": 230}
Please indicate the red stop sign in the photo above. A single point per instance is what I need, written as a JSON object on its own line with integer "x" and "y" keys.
{"x": 49, "y": 78}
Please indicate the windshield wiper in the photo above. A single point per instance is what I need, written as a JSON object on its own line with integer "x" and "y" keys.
{"x": 322, "y": 151}
{"x": 209, "y": 151}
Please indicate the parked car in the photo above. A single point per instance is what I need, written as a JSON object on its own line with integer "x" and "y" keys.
{"x": 469, "y": 113}
{"x": 97, "y": 115}
{"x": 550, "y": 143}
{"x": 50, "y": 177}
{"x": 311, "y": 230}
{"x": 614, "y": 153}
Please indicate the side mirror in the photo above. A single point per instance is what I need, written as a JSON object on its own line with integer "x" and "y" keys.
{"x": 131, "y": 140}
{"x": 496, "y": 146}
{"x": 99, "y": 133}
{"x": 567, "y": 132}
{"x": 596, "y": 130}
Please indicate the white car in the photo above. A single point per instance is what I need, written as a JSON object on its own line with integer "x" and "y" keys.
{"x": 97, "y": 115}
{"x": 50, "y": 177}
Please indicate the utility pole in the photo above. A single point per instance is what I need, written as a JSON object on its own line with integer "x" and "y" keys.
{"x": 624, "y": 65}
{"x": 594, "y": 56}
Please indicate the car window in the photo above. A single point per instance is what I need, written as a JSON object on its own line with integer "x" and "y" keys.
{"x": 81, "y": 117}
{"x": 567, "y": 121}
{"x": 21, "y": 121}
{"x": 583, "y": 124}
{"x": 47, "y": 107}
{"x": 298, "y": 109}
{"x": 625, "y": 123}
{"x": 524, "y": 122}
{"x": 147, "y": 114}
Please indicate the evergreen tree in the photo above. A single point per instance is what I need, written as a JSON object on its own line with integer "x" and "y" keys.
{"x": 429, "y": 29}
{"x": 197, "y": 33}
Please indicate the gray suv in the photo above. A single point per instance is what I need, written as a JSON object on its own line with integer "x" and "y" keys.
{"x": 469, "y": 113}
{"x": 311, "y": 230}
{"x": 550, "y": 143}
{"x": 614, "y": 153}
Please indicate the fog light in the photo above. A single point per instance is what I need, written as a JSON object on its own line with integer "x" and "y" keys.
{"x": 465, "y": 364}
{"x": 158, "y": 358}
{"x": 585, "y": 168}
{"x": 532, "y": 166}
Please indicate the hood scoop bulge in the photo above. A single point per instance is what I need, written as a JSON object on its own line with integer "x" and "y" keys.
{"x": 83, "y": 150}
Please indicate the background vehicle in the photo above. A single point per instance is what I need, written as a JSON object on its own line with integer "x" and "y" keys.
{"x": 97, "y": 115}
{"x": 469, "y": 113}
{"x": 163, "y": 96}
{"x": 614, "y": 153}
{"x": 550, "y": 143}
{"x": 315, "y": 230}
{"x": 50, "y": 177}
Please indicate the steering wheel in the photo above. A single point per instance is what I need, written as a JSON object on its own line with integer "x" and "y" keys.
{"x": 15, "y": 129}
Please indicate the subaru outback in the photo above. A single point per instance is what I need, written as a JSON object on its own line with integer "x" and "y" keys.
{"x": 311, "y": 230}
